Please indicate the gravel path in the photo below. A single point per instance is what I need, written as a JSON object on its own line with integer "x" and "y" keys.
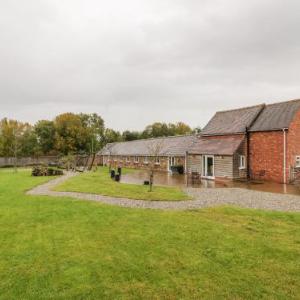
{"x": 203, "y": 198}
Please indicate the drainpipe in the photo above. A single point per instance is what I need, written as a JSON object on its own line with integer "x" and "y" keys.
{"x": 284, "y": 155}
{"x": 248, "y": 153}
{"x": 185, "y": 163}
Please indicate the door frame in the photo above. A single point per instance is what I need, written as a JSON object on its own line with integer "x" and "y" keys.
{"x": 204, "y": 166}
{"x": 170, "y": 158}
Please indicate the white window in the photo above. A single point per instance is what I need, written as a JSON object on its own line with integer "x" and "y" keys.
{"x": 136, "y": 159}
{"x": 146, "y": 161}
{"x": 127, "y": 159}
{"x": 298, "y": 161}
{"x": 157, "y": 160}
{"x": 242, "y": 162}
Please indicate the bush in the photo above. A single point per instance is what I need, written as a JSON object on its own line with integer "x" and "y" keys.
{"x": 45, "y": 171}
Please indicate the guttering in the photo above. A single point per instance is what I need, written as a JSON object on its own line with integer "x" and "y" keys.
{"x": 284, "y": 155}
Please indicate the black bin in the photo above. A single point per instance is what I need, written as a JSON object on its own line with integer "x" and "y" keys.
{"x": 112, "y": 174}
{"x": 120, "y": 171}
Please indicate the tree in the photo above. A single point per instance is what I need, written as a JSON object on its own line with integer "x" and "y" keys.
{"x": 29, "y": 141}
{"x": 130, "y": 135}
{"x": 156, "y": 148}
{"x": 12, "y": 138}
{"x": 94, "y": 131}
{"x": 182, "y": 129}
{"x": 111, "y": 136}
{"x": 70, "y": 135}
{"x": 197, "y": 130}
{"x": 45, "y": 132}
{"x": 162, "y": 129}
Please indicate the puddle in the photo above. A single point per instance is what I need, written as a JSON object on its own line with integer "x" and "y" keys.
{"x": 166, "y": 179}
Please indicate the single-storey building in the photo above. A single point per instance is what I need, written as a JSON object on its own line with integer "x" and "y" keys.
{"x": 162, "y": 153}
{"x": 259, "y": 142}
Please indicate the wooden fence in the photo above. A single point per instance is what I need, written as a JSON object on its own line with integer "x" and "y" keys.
{"x": 27, "y": 161}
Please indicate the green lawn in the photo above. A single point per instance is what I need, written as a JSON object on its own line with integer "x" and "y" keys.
{"x": 100, "y": 183}
{"x": 59, "y": 248}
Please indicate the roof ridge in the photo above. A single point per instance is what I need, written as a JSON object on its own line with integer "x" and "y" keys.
{"x": 287, "y": 101}
{"x": 241, "y": 108}
{"x": 156, "y": 138}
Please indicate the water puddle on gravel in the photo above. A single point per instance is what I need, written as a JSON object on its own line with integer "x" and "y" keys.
{"x": 166, "y": 179}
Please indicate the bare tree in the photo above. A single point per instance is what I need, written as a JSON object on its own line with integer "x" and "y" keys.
{"x": 16, "y": 144}
{"x": 156, "y": 149}
{"x": 110, "y": 150}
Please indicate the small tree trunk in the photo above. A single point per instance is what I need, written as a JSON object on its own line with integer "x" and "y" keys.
{"x": 16, "y": 164}
{"x": 151, "y": 181}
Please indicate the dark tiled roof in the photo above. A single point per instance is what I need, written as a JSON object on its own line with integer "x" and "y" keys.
{"x": 232, "y": 121}
{"x": 217, "y": 146}
{"x": 177, "y": 146}
{"x": 276, "y": 116}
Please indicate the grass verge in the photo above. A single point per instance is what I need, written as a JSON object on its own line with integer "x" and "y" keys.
{"x": 100, "y": 183}
{"x": 60, "y": 248}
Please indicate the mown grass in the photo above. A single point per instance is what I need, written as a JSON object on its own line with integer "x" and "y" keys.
{"x": 59, "y": 248}
{"x": 100, "y": 183}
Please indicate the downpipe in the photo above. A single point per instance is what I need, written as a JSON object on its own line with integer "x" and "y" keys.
{"x": 284, "y": 155}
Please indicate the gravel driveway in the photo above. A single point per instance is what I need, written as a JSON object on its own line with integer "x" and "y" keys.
{"x": 203, "y": 198}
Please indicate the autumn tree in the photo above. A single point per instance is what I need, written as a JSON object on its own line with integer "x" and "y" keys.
{"x": 70, "y": 135}
{"x": 15, "y": 138}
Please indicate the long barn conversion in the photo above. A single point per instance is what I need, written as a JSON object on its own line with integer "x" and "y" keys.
{"x": 164, "y": 152}
{"x": 261, "y": 142}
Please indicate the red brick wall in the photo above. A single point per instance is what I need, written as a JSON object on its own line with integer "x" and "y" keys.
{"x": 266, "y": 154}
{"x": 121, "y": 161}
{"x": 293, "y": 143}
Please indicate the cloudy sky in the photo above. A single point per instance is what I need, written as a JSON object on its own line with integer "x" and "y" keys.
{"x": 139, "y": 61}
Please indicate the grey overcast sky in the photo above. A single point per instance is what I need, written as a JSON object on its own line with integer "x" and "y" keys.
{"x": 139, "y": 61}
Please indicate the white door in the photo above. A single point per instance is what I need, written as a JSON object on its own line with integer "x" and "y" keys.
{"x": 171, "y": 162}
{"x": 208, "y": 166}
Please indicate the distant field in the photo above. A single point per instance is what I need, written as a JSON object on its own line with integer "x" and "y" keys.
{"x": 100, "y": 183}
{"x": 60, "y": 248}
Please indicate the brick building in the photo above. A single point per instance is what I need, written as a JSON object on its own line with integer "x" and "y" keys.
{"x": 163, "y": 153}
{"x": 260, "y": 142}
{"x": 274, "y": 141}
{"x": 221, "y": 152}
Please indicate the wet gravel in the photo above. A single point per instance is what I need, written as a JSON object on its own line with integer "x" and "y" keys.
{"x": 202, "y": 198}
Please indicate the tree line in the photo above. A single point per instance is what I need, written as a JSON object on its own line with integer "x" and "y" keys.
{"x": 71, "y": 133}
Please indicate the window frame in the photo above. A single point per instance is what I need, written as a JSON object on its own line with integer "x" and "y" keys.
{"x": 146, "y": 160}
{"x": 136, "y": 159}
{"x": 242, "y": 162}
{"x": 297, "y": 161}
